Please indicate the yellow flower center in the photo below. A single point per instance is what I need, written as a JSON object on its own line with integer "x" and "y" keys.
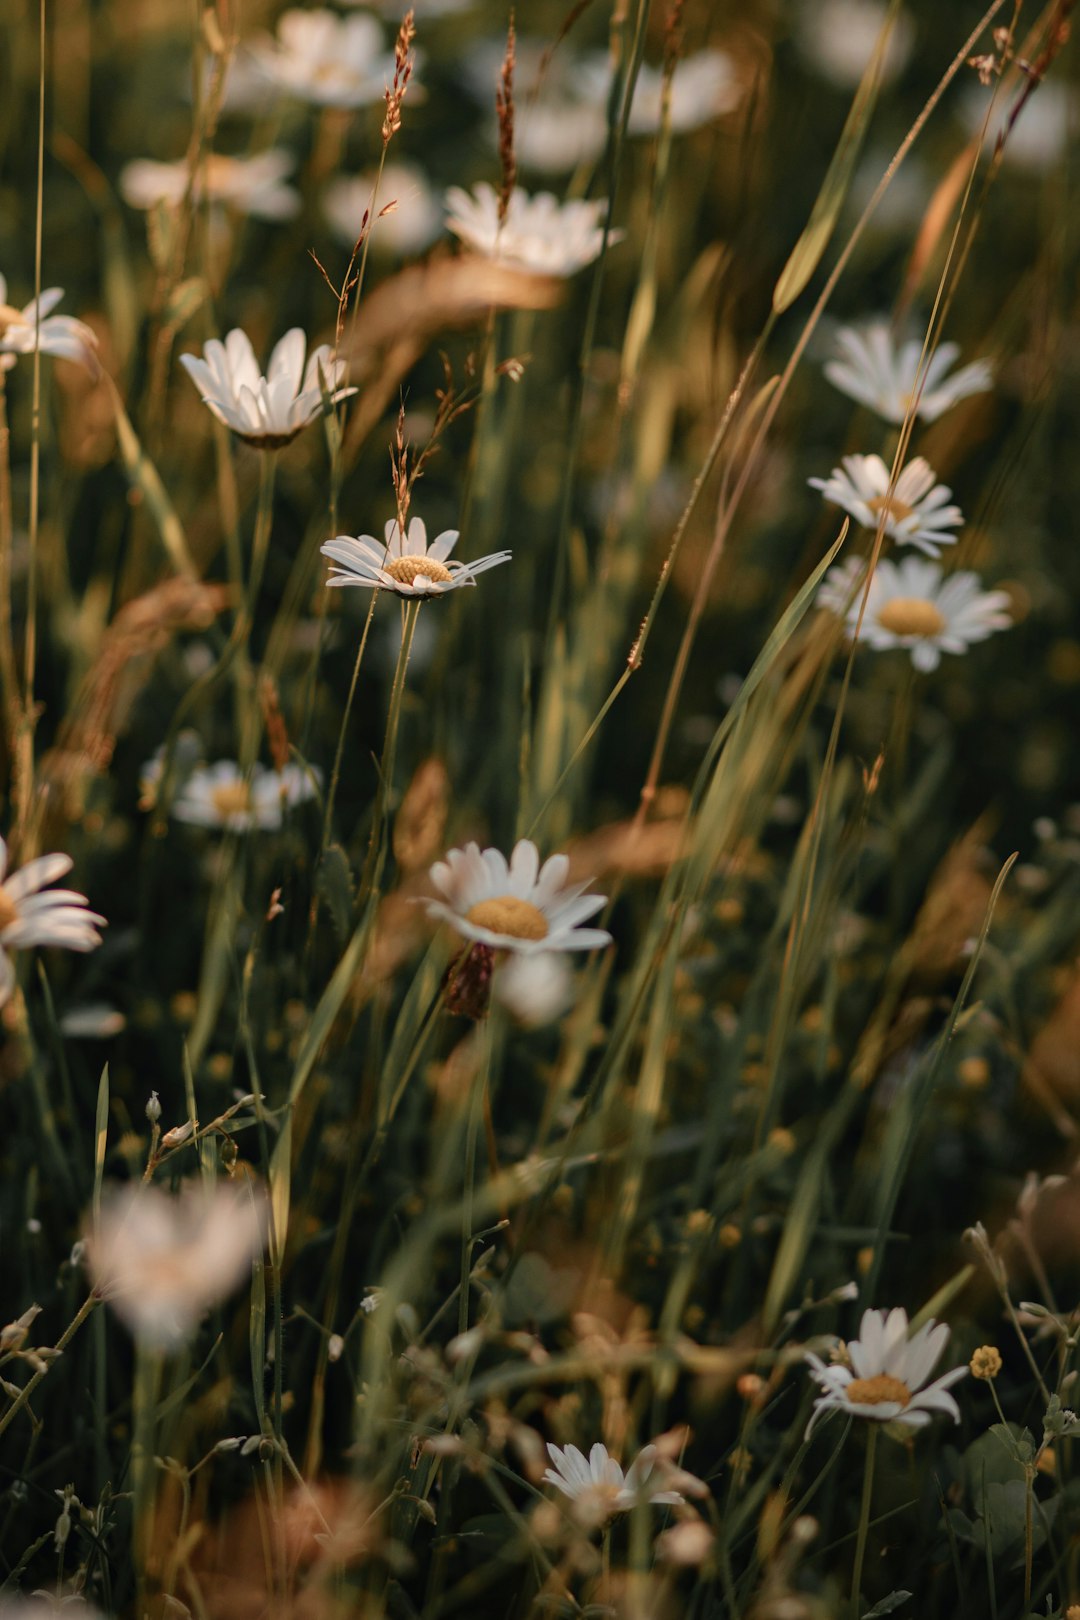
{"x": 9, "y": 911}
{"x": 911, "y": 616}
{"x": 892, "y": 508}
{"x": 231, "y": 799}
{"x": 873, "y": 1391}
{"x": 405, "y": 569}
{"x": 507, "y": 915}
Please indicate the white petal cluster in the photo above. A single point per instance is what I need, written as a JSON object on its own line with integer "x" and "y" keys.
{"x": 894, "y": 382}
{"x": 224, "y": 797}
{"x": 161, "y": 1261}
{"x": 887, "y": 1379}
{"x": 407, "y": 216}
{"x": 407, "y": 565}
{"x": 62, "y": 336}
{"x": 539, "y": 234}
{"x": 250, "y": 185}
{"x": 32, "y": 914}
{"x": 916, "y": 510}
{"x": 597, "y": 1485}
{"x": 517, "y": 906}
{"x": 913, "y": 606}
{"x": 838, "y": 37}
{"x": 327, "y": 60}
{"x": 266, "y": 411}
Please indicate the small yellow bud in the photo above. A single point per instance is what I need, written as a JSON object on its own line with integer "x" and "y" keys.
{"x": 986, "y": 1362}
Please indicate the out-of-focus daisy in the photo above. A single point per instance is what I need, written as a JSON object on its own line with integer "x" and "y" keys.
{"x": 887, "y": 1379}
{"x": 162, "y": 1261}
{"x": 911, "y": 605}
{"x": 328, "y": 60}
{"x": 837, "y": 38}
{"x": 407, "y": 219}
{"x": 539, "y": 234}
{"x": 266, "y": 411}
{"x": 1043, "y": 131}
{"x": 874, "y": 371}
{"x": 597, "y": 1486}
{"x": 407, "y": 566}
{"x": 254, "y": 185}
{"x": 916, "y": 512}
{"x": 534, "y": 989}
{"x": 223, "y": 796}
{"x": 554, "y": 135}
{"x": 21, "y": 330}
{"x": 520, "y": 906}
{"x": 704, "y": 86}
{"x": 32, "y": 914}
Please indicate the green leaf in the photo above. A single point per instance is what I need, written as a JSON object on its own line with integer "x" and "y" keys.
{"x": 334, "y": 881}
{"x": 887, "y": 1605}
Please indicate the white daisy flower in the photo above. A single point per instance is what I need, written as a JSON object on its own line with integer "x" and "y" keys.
{"x": 408, "y": 568}
{"x": 1043, "y": 131}
{"x": 887, "y": 1379}
{"x": 266, "y": 411}
{"x": 704, "y": 87}
{"x": 539, "y": 234}
{"x": 555, "y": 134}
{"x": 838, "y": 38}
{"x": 915, "y": 512}
{"x": 597, "y": 1486}
{"x": 222, "y": 796}
{"x": 161, "y": 1261}
{"x": 522, "y": 906}
{"x": 873, "y": 371}
{"x": 21, "y": 330}
{"x": 328, "y": 60}
{"x": 912, "y": 606}
{"x": 31, "y": 914}
{"x": 408, "y": 217}
{"x": 251, "y": 185}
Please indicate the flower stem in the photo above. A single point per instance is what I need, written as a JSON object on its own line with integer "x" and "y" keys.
{"x": 376, "y": 854}
{"x": 331, "y": 796}
{"x": 864, "y": 1519}
{"x": 476, "y": 1098}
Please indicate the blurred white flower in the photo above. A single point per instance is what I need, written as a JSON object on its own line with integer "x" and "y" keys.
{"x": 266, "y": 411}
{"x": 597, "y": 1486}
{"x": 223, "y": 796}
{"x": 916, "y": 513}
{"x": 161, "y": 1261}
{"x": 408, "y": 217}
{"x": 704, "y": 87}
{"x": 520, "y": 906}
{"x": 887, "y": 1379}
{"x": 408, "y": 568}
{"x": 423, "y": 9}
{"x": 1044, "y": 129}
{"x": 31, "y": 914}
{"x": 872, "y": 370}
{"x": 328, "y": 60}
{"x": 911, "y": 606}
{"x": 534, "y": 989}
{"x": 554, "y": 135}
{"x": 95, "y": 1021}
{"x": 837, "y": 38}
{"x": 254, "y": 185}
{"x": 539, "y": 234}
{"x": 21, "y": 330}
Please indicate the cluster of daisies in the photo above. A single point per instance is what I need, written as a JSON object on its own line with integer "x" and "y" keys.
{"x": 911, "y": 603}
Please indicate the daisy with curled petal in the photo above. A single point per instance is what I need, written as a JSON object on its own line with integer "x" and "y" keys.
{"x": 874, "y": 371}
{"x": 409, "y": 566}
{"x": 915, "y": 510}
{"x": 887, "y": 1379}
{"x": 913, "y": 606}
{"x": 516, "y": 906}
{"x": 31, "y": 914}
{"x": 267, "y": 411}
{"x": 23, "y": 330}
{"x": 597, "y": 1486}
{"x": 539, "y": 234}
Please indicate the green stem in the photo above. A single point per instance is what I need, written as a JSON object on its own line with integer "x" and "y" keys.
{"x": 264, "y": 521}
{"x": 864, "y": 1519}
{"x": 331, "y": 796}
{"x": 476, "y": 1099}
{"x": 376, "y": 853}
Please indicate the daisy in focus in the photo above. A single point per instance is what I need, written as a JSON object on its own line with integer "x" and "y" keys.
{"x": 407, "y": 566}
{"x": 31, "y": 914}
{"x": 911, "y": 605}
{"x": 268, "y": 412}
{"x": 327, "y": 60}
{"x": 62, "y": 336}
{"x": 225, "y": 798}
{"x": 539, "y": 234}
{"x": 161, "y": 1262}
{"x": 887, "y": 1379}
{"x": 896, "y": 382}
{"x": 597, "y": 1486}
{"x": 250, "y": 185}
{"x": 517, "y": 905}
{"x": 916, "y": 512}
